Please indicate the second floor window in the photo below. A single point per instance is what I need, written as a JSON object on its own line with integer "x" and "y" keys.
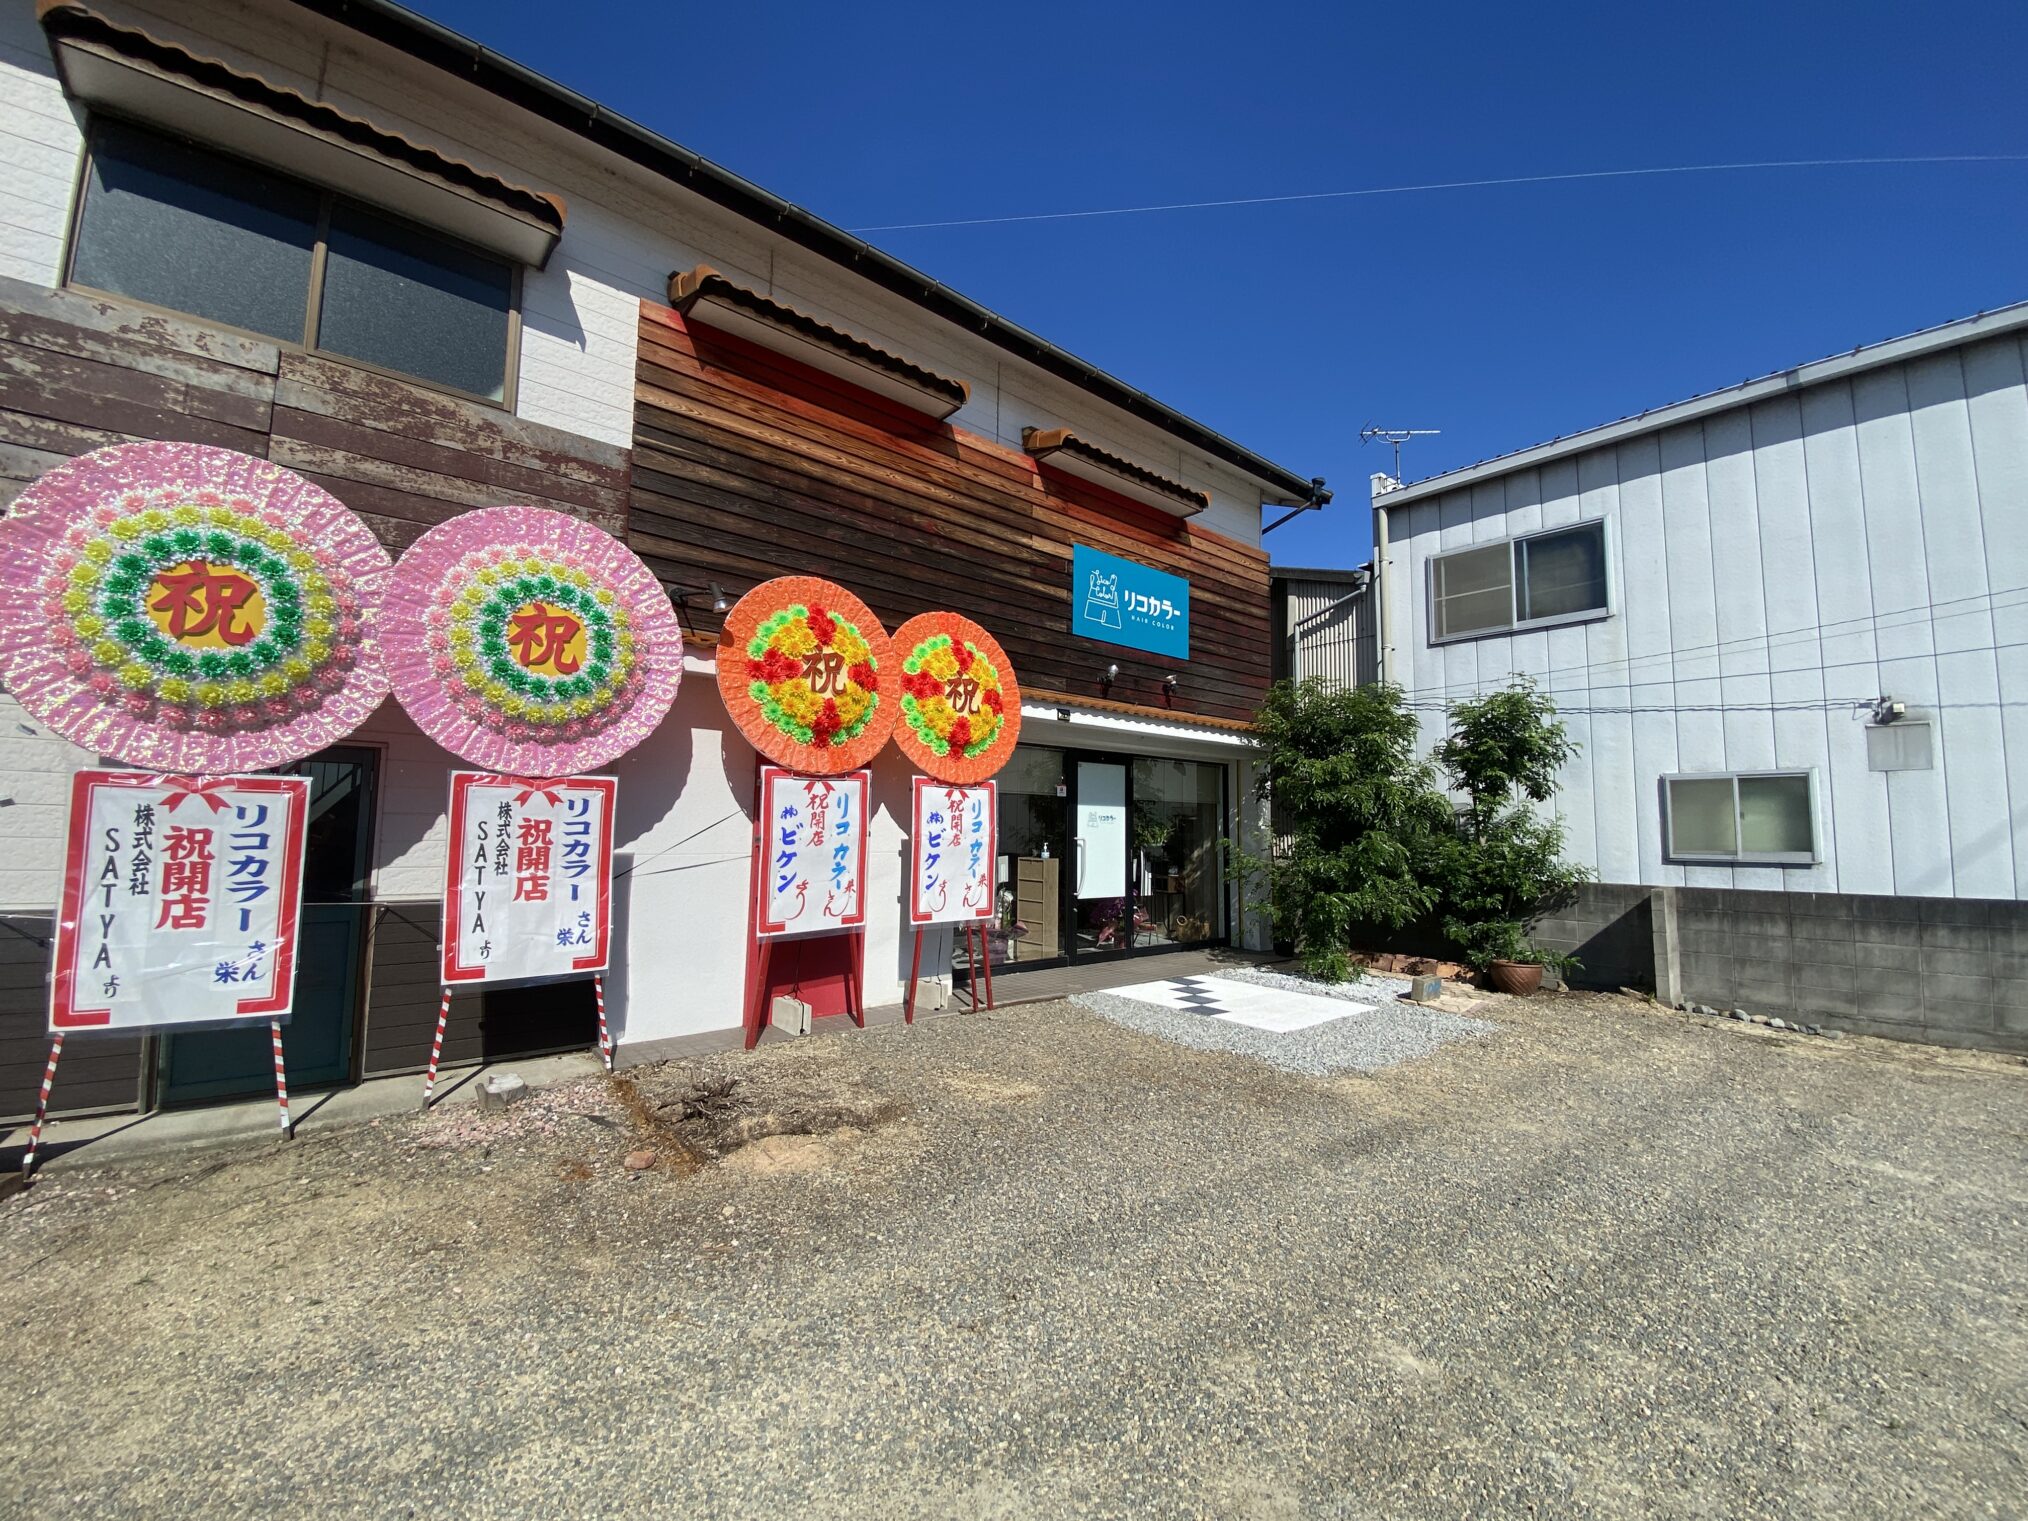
{"x": 194, "y": 231}
{"x": 1553, "y": 577}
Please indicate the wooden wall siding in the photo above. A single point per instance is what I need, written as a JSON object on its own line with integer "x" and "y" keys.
{"x": 406, "y": 458}
{"x": 402, "y": 993}
{"x": 98, "y": 1073}
{"x": 747, "y": 466}
{"x": 497, "y": 1025}
{"x": 78, "y": 373}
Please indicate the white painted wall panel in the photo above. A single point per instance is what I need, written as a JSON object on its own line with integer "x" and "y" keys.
{"x": 1605, "y": 775}
{"x": 39, "y": 148}
{"x": 1996, "y": 412}
{"x": 1693, "y": 618}
{"x": 1740, "y": 597}
{"x": 1844, "y": 648}
{"x": 1918, "y": 802}
{"x": 1567, "y": 659}
{"x": 1789, "y": 598}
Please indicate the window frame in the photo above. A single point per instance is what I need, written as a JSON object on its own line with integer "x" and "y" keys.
{"x": 1514, "y": 625}
{"x": 314, "y": 299}
{"x": 1739, "y": 856}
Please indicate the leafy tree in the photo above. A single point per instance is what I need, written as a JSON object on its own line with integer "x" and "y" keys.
{"x": 1362, "y": 817}
{"x": 1502, "y": 865}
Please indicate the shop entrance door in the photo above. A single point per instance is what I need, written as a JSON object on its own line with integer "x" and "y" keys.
{"x": 208, "y": 1065}
{"x": 1102, "y": 897}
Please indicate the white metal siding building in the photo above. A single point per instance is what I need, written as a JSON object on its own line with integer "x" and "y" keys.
{"x": 1715, "y": 591}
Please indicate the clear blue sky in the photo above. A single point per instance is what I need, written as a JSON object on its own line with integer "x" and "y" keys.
{"x": 1502, "y": 316}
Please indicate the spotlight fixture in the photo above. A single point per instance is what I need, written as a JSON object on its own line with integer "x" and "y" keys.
{"x": 1110, "y": 674}
{"x": 1169, "y": 682}
{"x": 719, "y": 603}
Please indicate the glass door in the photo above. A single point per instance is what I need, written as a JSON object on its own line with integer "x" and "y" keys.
{"x": 1102, "y": 901}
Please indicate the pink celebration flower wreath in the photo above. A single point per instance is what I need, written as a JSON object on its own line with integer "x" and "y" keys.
{"x": 528, "y": 641}
{"x": 189, "y": 608}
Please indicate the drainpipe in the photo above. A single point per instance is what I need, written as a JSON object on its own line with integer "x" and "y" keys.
{"x": 1379, "y": 586}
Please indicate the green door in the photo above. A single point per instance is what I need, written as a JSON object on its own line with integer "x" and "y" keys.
{"x": 207, "y": 1065}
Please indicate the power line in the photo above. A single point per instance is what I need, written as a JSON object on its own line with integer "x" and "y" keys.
{"x": 1809, "y": 704}
{"x": 1815, "y": 633}
{"x": 1478, "y": 184}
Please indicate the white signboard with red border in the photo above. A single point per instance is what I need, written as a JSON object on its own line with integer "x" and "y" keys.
{"x": 951, "y": 852}
{"x": 528, "y": 892}
{"x": 182, "y": 899}
{"x": 810, "y": 861}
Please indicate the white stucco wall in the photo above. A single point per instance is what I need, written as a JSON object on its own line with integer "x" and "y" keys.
{"x": 1771, "y": 564}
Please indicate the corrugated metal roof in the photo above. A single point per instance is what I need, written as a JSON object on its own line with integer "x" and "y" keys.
{"x": 1865, "y": 357}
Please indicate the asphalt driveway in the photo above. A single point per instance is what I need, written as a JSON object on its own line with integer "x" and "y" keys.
{"x": 1604, "y": 1261}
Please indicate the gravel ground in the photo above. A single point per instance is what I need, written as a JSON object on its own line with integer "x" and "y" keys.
{"x": 1609, "y": 1261}
{"x": 1382, "y": 1033}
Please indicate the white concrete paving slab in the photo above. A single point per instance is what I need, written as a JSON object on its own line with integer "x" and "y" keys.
{"x": 1276, "y": 1010}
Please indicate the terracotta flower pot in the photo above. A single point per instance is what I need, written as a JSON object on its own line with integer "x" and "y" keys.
{"x": 1519, "y": 978}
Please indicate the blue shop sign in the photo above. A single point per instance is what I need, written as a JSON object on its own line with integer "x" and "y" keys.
{"x": 1123, "y": 602}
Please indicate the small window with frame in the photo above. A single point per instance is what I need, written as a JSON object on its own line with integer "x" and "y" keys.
{"x": 1751, "y": 818}
{"x": 192, "y": 230}
{"x": 1511, "y": 585}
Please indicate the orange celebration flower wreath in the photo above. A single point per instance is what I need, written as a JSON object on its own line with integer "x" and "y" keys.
{"x": 806, "y": 671}
{"x": 960, "y": 706}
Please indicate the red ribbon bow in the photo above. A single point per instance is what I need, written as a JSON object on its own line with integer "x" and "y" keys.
{"x": 530, "y": 786}
{"x": 181, "y": 787}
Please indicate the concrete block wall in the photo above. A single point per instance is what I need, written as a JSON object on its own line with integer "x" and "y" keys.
{"x": 1945, "y": 971}
{"x": 1610, "y": 930}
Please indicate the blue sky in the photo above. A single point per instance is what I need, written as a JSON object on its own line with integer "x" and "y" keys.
{"x": 1503, "y": 316}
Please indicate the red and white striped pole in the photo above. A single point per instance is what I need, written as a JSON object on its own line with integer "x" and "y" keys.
{"x": 281, "y": 1080}
{"x": 605, "y": 1035}
{"x": 437, "y": 1046}
{"x": 41, "y": 1108}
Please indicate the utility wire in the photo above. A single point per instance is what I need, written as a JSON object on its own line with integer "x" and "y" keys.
{"x": 1494, "y": 684}
{"x": 1679, "y": 679}
{"x": 1815, "y": 633}
{"x": 1478, "y": 184}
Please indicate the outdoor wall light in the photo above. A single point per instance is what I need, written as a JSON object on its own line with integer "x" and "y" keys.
{"x": 719, "y": 603}
{"x": 1063, "y": 715}
{"x": 1169, "y": 682}
{"x": 1110, "y": 675}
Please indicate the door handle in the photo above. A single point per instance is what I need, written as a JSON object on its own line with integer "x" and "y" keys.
{"x": 1079, "y": 842}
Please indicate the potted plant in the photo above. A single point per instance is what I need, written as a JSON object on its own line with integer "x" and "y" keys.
{"x": 1501, "y": 952}
{"x": 1503, "y": 865}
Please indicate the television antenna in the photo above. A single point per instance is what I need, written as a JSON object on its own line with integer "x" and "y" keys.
{"x": 1396, "y": 437}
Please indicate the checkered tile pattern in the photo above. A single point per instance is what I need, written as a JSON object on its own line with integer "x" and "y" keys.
{"x": 1275, "y": 1010}
{"x": 1193, "y": 996}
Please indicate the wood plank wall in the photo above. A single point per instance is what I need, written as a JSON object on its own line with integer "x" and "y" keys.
{"x": 79, "y": 373}
{"x": 748, "y": 466}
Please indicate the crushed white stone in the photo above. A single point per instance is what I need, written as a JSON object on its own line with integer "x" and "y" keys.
{"x": 1382, "y": 1031}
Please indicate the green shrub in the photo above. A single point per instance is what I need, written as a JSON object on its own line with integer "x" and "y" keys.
{"x": 1358, "y": 812}
{"x": 1369, "y": 841}
{"x": 1502, "y": 866}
